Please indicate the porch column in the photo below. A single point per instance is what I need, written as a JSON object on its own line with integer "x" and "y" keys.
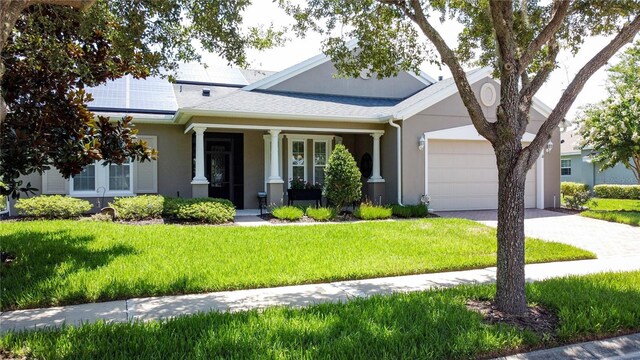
{"x": 199, "y": 184}
{"x": 275, "y": 173}
{"x": 375, "y": 184}
{"x": 375, "y": 173}
{"x": 275, "y": 187}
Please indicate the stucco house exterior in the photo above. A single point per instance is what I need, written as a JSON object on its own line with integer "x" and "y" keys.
{"x": 234, "y": 133}
{"x": 576, "y": 165}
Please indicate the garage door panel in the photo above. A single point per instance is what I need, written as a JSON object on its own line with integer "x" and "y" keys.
{"x": 463, "y": 176}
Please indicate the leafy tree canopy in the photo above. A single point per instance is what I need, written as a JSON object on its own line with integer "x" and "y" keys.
{"x": 54, "y": 52}
{"x": 342, "y": 184}
{"x": 612, "y": 127}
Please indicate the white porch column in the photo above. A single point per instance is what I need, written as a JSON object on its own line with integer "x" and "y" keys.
{"x": 199, "y": 178}
{"x": 274, "y": 176}
{"x": 375, "y": 173}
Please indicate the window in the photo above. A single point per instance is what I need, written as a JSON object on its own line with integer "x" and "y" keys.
{"x": 86, "y": 180}
{"x": 320, "y": 155}
{"x": 565, "y": 167}
{"x": 113, "y": 179}
{"x": 297, "y": 160}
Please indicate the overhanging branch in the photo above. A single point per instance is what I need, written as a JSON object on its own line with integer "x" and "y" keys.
{"x": 561, "y": 9}
{"x": 478, "y": 119}
{"x": 577, "y": 84}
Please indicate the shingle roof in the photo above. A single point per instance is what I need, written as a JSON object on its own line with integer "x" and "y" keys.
{"x": 299, "y": 104}
{"x": 570, "y": 142}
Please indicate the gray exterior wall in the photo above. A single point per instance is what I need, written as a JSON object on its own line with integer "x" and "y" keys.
{"x": 586, "y": 173}
{"x": 451, "y": 113}
{"x": 320, "y": 80}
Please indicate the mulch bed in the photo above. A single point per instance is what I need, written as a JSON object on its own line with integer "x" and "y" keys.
{"x": 540, "y": 320}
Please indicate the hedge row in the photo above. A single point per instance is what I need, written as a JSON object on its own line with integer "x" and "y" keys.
{"x": 568, "y": 188}
{"x": 617, "y": 191}
{"x": 141, "y": 207}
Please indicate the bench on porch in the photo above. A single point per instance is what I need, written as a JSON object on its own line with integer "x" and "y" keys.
{"x": 304, "y": 195}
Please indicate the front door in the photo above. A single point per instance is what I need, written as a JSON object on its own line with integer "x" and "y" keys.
{"x": 224, "y": 168}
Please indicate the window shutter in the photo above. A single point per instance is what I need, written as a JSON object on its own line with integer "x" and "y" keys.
{"x": 147, "y": 172}
{"x": 53, "y": 182}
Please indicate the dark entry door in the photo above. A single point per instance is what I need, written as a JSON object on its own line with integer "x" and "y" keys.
{"x": 224, "y": 167}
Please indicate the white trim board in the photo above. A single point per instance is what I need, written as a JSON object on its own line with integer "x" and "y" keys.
{"x": 283, "y": 128}
{"x": 467, "y": 132}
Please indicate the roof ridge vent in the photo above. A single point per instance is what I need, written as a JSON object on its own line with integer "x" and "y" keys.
{"x": 206, "y": 92}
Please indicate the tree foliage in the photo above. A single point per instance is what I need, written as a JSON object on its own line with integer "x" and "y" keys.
{"x": 612, "y": 127}
{"x": 54, "y": 52}
{"x": 342, "y": 184}
{"x": 519, "y": 39}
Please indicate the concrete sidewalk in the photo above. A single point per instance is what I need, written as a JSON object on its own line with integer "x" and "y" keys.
{"x": 622, "y": 347}
{"x": 303, "y": 295}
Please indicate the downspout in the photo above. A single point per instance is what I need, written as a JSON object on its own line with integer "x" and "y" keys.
{"x": 399, "y": 159}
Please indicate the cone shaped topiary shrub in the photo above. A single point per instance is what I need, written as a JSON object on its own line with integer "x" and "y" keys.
{"x": 342, "y": 183}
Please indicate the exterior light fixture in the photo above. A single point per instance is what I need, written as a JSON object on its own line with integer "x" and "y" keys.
{"x": 549, "y": 147}
{"x": 421, "y": 143}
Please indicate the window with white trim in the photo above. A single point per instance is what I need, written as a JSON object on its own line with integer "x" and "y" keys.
{"x": 320, "y": 157}
{"x": 116, "y": 180}
{"x": 298, "y": 160}
{"x": 565, "y": 167}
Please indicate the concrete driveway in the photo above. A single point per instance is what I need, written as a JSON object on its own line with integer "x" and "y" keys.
{"x": 601, "y": 237}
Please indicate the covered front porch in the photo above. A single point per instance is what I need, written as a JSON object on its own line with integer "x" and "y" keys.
{"x": 238, "y": 160}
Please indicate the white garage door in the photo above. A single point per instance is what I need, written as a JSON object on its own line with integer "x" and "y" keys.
{"x": 462, "y": 175}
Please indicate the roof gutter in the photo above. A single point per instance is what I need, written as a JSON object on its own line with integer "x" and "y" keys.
{"x": 178, "y": 117}
{"x": 399, "y": 158}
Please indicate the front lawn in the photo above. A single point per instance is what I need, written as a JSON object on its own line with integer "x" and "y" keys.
{"x": 68, "y": 262}
{"x": 424, "y": 325}
{"x": 623, "y": 211}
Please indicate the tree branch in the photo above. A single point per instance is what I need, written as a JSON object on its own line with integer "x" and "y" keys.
{"x": 502, "y": 19}
{"x": 561, "y": 9}
{"x": 469, "y": 99}
{"x": 569, "y": 96}
{"x": 531, "y": 88}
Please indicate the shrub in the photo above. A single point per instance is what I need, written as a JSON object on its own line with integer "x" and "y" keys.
{"x": 409, "y": 211}
{"x": 172, "y": 205}
{"x": 577, "y": 200}
{"x": 321, "y": 214}
{"x": 617, "y": 191}
{"x": 342, "y": 183}
{"x": 207, "y": 211}
{"x": 290, "y": 213}
{"x": 138, "y": 207}
{"x": 53, "y": 207}
{"x": 372, "y": 212}
{"x": 568, "y": 188}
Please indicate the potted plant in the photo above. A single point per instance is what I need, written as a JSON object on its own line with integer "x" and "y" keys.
{"x": 304, "y": 190}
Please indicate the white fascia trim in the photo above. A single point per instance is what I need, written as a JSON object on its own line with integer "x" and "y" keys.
{"x": 429, "y": 101}
{"x": 571, "y": 153}
{"x": 278, "y": 116}
{"x": 423, "y": 77}
{"x": 283, "y": 128}
{"x": 467, "y": 132}
{"x": 137, "y": 118}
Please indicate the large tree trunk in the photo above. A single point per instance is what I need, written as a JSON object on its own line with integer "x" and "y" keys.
{"x": 510, "y": 294}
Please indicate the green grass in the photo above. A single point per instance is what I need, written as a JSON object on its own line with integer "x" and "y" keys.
{"x": 424, "y": 325}
{"x": 623, "y": 211}
{"x": 372, "y": 212}
{"x": 290, "y": 213}
{"x": 69, "y": 262}
{"x": 321, "y": 213}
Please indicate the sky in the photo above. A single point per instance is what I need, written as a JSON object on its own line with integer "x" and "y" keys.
{"x": 299, "y": 49}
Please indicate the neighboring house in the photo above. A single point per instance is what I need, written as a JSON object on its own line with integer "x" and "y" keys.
{"x": 576, "y": 165}
{"x": 232, "y": 133}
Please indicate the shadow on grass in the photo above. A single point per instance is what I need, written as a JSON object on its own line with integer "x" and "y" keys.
{"x": 426, "y": 325}
{"x": 44, "y": 259}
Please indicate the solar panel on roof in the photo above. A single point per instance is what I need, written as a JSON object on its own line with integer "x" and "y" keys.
{"x": 135, "y": 94}
{"x": 197, "y": 73}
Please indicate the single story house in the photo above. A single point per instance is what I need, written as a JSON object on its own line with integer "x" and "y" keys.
{"x": 576, "y": 165}
{"x": 232, "y": 133}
